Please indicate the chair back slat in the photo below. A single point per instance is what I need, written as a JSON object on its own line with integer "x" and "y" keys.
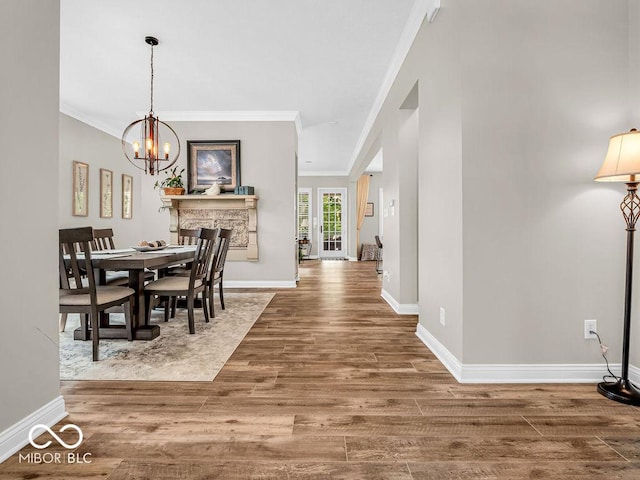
{"x": 188, "y": 236}
{"x": 220, "y": 255}
{"x": 102, "y": 239}
{"x": 76, "y": 264}
{"x": 204, "y": 251}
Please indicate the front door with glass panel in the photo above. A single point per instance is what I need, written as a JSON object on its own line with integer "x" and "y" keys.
{"x": 332, "y": 204}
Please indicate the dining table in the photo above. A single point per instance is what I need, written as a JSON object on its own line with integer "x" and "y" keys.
{"x": 136, "y": 262}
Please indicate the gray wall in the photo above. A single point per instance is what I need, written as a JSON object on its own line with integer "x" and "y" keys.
{"x": 81, "y": 142}
{"x": 518, "y": 244}
{"x": 267, "y": 160}
{"x": 29, "y": 48}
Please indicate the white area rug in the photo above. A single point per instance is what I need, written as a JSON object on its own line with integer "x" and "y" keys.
{"x": 175, "y": 355}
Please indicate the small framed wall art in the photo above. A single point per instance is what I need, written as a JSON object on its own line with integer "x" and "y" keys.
{"x": 106, "y": 193}
{"x": 127, "y": 196}
{"x": 368, "y": 212}
{"x": 80, "y": 199}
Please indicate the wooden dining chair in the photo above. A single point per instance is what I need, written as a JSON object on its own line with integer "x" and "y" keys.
{"x": 216, "y": 272}
{"x": 185, "y": 286}
{"x": 188, "y": 236}
{"x": 102, "y": 239}
{"x": 78, "y": 290}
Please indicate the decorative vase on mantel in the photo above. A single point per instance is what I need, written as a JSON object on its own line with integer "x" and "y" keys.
{"x": 173, "y": 190}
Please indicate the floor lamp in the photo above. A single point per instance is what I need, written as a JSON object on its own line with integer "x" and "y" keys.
{"x": 622, "y": 164}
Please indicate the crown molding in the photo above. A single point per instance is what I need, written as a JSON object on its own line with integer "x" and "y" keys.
{"x": 232, "y": 116}
{"x": 420, "y": 10}
{"x": 432, "y": 10}
{"x": 322, "y": 174}
{"x": 192, "y": 116}
{"x": 104, "y": 127}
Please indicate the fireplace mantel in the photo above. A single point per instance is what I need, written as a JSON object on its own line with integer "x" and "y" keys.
{"x": 238, "y": 212}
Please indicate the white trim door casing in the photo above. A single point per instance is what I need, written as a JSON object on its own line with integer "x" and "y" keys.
{"x": 332, "y": 215}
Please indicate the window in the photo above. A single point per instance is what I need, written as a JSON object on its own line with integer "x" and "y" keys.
{"x": 304, "y": 213}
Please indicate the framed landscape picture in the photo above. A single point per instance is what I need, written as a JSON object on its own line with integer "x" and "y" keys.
{"x": 80, "y": 199}
{"x": 106, "y": 193}
{"x": 213, "y": 161}
{"x": 127, "y": 196}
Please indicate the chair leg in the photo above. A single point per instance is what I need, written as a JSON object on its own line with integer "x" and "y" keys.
{"x": 220, "y": 292}
{"x": 204, "y": 306}
{"x": 127, "y": 319}
{"x": 174, "y": 305}
{"x": 62, "y": 322}
{"x": 190, "y": 302}
{"x": 95, "y": 334}
{"x": 212, "y": 313}
{"x": 84, "y": 326}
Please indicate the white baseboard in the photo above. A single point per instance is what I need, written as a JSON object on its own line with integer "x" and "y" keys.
{"x": 400, "y": 308}
{"x": 448, "y": 359}
{"x": 259, "y": 284}
{"x": 518, "y": 373}
{"x": 352, "y": 259}
{"x": 17, "y": 436}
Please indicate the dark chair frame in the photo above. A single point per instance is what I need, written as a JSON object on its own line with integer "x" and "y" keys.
{"x": 76, "y": 269}
{"x": 197, "y": 281}
{"x": 216, "y": 272}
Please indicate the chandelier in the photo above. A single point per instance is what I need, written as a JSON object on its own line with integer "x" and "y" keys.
{"x": 152, "y": 135}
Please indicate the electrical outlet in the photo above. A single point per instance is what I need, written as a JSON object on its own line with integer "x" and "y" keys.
{"x": 590, "y": 326}
{"x": 386, "y": 275}
{"x": 442, "y": 316}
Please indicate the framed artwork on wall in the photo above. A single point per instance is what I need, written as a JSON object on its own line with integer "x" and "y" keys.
{"x": 213, "y": 161}
{"x": 106, "y": 193}
{"x": 368, "y": 211}
{"x": 127, "y": 196}
{"x": 80, "y": 200}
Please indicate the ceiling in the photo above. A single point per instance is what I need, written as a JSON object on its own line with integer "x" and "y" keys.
{"x": 323, "y": 62}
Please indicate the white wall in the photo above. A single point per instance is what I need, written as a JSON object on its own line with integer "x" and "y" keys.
{"x": 267, "y": 160}
{"x": 29, "y": 48}
{"x": 517, "y": 101}
{"x": 83, "y": 143}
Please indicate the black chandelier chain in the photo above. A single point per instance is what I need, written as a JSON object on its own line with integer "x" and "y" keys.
{"x": 151, "y": 109}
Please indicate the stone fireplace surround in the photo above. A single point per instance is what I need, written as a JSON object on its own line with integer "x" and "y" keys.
{"x": 237, "y": 212}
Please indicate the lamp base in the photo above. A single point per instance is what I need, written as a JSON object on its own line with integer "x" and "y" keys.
{"x": 622, "y": 391}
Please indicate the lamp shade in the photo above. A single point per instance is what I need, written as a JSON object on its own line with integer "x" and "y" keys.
{"x": 622, "y": 162}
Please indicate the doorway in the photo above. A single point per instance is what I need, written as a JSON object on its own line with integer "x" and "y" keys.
{"x": 332, "y": 212}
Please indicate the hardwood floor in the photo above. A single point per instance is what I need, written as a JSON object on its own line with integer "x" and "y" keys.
{"x": 331, "y": 384}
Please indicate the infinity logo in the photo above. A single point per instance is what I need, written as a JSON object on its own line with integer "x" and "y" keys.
{"x": 58, "y": 439}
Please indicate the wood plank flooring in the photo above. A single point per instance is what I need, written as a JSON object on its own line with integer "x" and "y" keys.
{"x": 331, "y": 384}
